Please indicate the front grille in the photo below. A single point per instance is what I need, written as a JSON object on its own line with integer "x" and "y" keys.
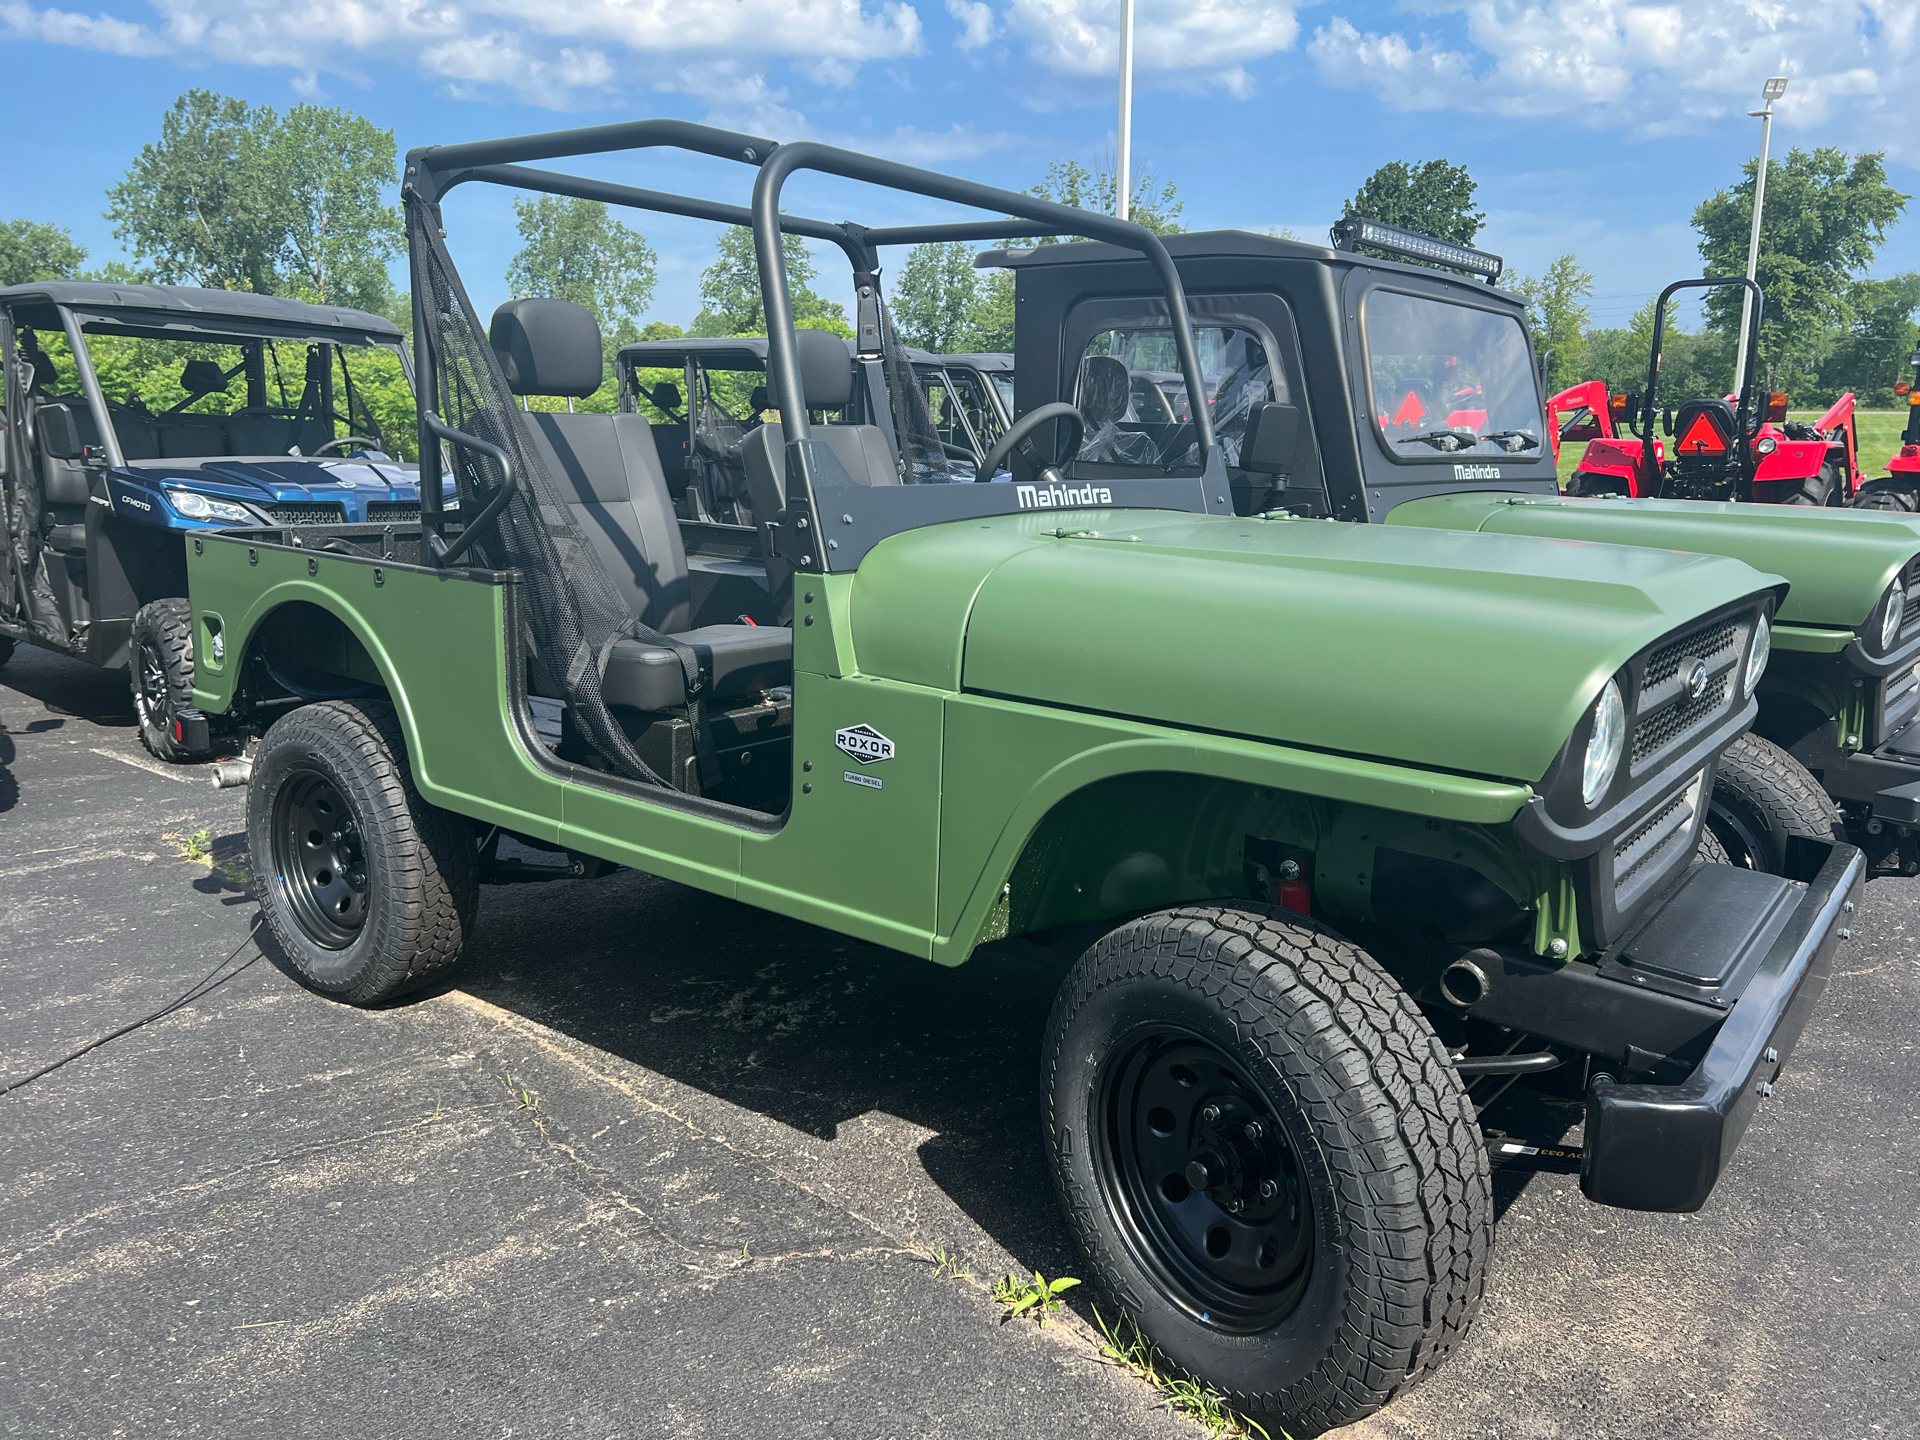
{"x": 393, "y": 511}
{"x": 1676, "y": 721}
{"x": 1910, "y": 582}
{"x": 1899, "y": 703}
{"x": 1651, "y": 850}
{"x": 319, "y": 512}
{"x": 1667, "y": 714}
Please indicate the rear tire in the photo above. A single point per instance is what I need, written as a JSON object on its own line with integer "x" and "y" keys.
{"x": 1762, "y": 797}
{"x": 370, "y": 890}
{"x": 1886, "y": 494}
{"x": 1825, "y": 488}
{"x": 1180, "y": 1031}
{"x": 1586, "y": 482}
{"x": 160, "y": 670}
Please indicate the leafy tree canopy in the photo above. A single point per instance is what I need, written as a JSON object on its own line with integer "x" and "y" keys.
{"x": 233, "y": 196}
{"x": 1434, "y": 198}
{"x": 574, "y": 249}
{"x": 1153, "y": 205}
{"x": 1826, "y": 217}
{"x": 32, "y": 251}
{"x": 941, "y": 303}
{"x": 730, "y": 290}
{"x": 1557, "y": 312}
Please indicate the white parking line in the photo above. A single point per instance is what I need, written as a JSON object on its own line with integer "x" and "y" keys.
{"x": 141, "y": 762}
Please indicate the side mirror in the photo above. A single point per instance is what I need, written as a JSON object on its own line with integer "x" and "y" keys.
{"x": 665, "y": 396}
{"x": 1777, "y": 407}
{"x": 59, "y": 433}
{"x": 1273, "y": 430}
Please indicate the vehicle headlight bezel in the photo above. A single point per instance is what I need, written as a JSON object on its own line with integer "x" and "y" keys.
{"x": 1759, "y": 651}
{"x": 1606, "y": 746}
{"x": 1893, "y": 610}
{"x": 195, "y": 506}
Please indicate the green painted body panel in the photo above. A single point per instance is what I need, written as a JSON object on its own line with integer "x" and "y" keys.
{"x": 1810, "y": 641}
{"x": 1839, "y": 562}
{"x": 1471, "y": 653}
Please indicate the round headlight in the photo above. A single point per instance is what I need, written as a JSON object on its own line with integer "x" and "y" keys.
{"x": 1892, "y": 615}
{"x": 1604, "y": 746}
{"x": 194, "y": 507}
{"x": 1757, "y": 657}
{"x": 1767, "y": 445}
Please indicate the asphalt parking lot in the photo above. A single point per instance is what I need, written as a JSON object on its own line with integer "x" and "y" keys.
{"x": 660, "y": 1164}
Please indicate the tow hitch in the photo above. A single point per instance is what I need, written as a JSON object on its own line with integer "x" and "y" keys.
{"x": 1511, "y": 1152}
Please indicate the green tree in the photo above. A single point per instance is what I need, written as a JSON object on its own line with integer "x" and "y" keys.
{"x": 933, "y": 300}
{"x": 32, "y": 251}
{"x": 1434, "y": 198}
{"x": 196, "y": 204}
{"x": 233, "y": 196}
{"x": 1153, "y": 205}
{"x": 990, "y": 320}
{"x": 730, "y": 290}
{"x": 336, "y": 232}
{"x": 1872, "y": 352}
{"x": 1557, "y": 312}
{"x": 574, "y": 249}
{"x": 1826, "y": 218}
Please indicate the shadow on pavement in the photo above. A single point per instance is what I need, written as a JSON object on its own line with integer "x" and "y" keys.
{"x": 69, "y": 687}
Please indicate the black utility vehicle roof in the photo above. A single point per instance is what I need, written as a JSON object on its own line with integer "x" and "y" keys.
{"x": 159, "y": 310}
{"x": 1219, "y": 244}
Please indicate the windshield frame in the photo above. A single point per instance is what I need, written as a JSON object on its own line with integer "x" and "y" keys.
{"x": 1467, "y": 457}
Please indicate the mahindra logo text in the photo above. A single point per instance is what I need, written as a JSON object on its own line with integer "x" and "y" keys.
{"x": 1476, "y": 472}
{"x": 1053, "y": 497}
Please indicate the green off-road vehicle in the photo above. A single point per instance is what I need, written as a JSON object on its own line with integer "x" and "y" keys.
{"x": 1347, "y": 826}
{"x": 1366, "y": 389}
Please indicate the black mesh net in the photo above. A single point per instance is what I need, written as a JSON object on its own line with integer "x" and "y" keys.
{"x": 574, "y": 613}
{"x": 923, "y": 459}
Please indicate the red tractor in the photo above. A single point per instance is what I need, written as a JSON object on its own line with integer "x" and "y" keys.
{"x": 1735, "y": 447}
{"x": 1900, "y": 488}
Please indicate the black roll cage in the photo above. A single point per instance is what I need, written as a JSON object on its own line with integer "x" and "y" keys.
{"x": 432, "y": 171}
{"x": 1744, "y": 425}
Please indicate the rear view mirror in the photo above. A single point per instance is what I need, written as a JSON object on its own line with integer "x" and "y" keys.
{"x": 1272, "y": 431}
{"x": 665, "y": 396}
{"x": 59, "y": 433}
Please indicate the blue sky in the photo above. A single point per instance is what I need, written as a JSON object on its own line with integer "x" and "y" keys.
{"x": 1593, "y": 126}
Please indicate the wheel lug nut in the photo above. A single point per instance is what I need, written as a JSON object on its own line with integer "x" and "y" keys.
{"x": 1255, "y": 1130}
{"x": 1268, "y": 1189}
{"x": 1210, "y": 1114}
{"x": 1231, "y": 1205}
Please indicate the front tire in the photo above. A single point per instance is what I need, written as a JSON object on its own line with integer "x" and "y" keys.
{"x": 1587, "y": 482}
{"x": 370, "y": 890}
{"x": 160, "y": 668}
{"x": 1886, "y": 494}
{"x": 1762, "y": 798}
{"x": 1326, "y": 1245}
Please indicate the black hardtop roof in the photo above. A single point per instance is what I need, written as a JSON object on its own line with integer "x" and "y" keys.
{"x": 1224, "y": 244}
{"x": 135, "y": 304}
{"x": 988, "y": 360}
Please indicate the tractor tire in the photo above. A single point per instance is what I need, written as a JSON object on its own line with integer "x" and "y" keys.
{"x": 1828, "y": 487}
{"x": 160, "y": 670}
{"x": 1762, "y": 797}
{"x": 1887, "y": 494}
{"x": 370, "y": 890}
{"x": 1586, "y": 482}
{"x": 1268, "y": 1159}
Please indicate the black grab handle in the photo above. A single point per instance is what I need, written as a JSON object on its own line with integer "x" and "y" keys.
{"x": 443, "y": 553}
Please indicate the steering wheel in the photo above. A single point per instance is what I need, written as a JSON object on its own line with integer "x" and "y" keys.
{"x": 344, "y": 440}
{"x": 1020, "y": 437}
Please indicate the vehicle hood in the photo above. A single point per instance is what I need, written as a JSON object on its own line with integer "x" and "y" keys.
{"x": 1467, "y": 652}
{"x": 1839, "y": 562}
{"x": 289, "y": 480}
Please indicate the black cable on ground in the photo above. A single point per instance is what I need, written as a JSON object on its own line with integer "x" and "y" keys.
{"x": 200, "y": 988}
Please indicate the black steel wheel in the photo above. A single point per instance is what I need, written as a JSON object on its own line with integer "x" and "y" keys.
{"x": 1268, "y": 1159}
{"x": 160, "y": 670}
{"x": 1207, "y": 1182}
{"x": 319, "y": 864}
{"x": 369, "y": 890}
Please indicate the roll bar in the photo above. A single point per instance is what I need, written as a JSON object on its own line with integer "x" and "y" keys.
{"x": 1649, "y": 403}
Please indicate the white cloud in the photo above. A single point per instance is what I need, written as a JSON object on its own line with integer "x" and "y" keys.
{"x": 976, "y": 19}
{"x": 1216, "y": 38}
{"x": 1655, "y": 67}
{"x": 559, "y": 53}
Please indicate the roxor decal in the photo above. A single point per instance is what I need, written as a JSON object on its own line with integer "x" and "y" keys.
{"x": 1052, "y": 497}
{"x": 864, "y": 743}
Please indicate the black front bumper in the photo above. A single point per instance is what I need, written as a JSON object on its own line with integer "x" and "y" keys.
{"x": 1662, "y": 1147}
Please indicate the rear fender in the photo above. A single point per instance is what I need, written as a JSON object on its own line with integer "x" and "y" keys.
{"x": 1793, "y": 460}
{"x": 1618, "y": 459}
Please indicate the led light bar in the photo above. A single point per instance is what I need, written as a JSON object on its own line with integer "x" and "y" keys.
{"x": 1353, "y": 231}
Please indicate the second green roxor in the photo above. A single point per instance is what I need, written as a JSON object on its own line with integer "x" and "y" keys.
{"x": 1337, "y": 831}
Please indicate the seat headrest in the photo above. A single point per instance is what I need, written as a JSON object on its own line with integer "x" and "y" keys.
{"x": 44, "y": 373}
{"x": 202, "y": 377}
{"x": 826, "y": 369}
{"x": 1106, "y": 389}
{"x": 548, "y": 347}
{"x": 759, "y": 400}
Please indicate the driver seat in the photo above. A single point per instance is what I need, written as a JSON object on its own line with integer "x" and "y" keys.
{"x": 1704, "y": 470}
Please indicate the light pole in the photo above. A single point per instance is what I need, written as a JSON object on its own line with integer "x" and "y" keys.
{"x": 1775, "y": 88}
{"x": 1123, "y": 182}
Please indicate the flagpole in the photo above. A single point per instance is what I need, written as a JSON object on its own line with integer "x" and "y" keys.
{"x": 1123, "y": 184}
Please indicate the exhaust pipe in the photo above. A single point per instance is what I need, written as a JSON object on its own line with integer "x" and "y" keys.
{"x": 232, "y": 774}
